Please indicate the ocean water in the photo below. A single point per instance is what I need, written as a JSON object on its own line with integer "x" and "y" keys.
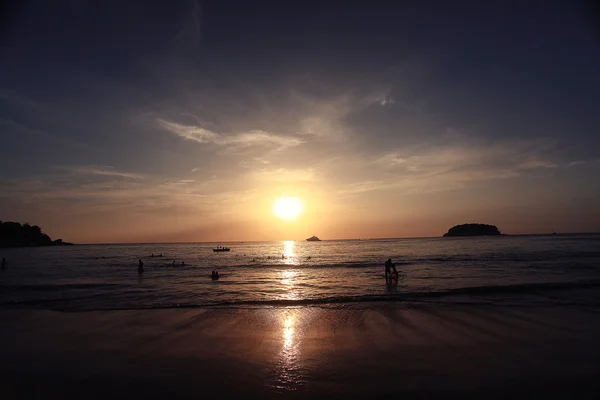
{"x": 558, "y": 269}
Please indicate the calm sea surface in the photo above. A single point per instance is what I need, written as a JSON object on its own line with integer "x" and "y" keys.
{"x": 509, "y": 270}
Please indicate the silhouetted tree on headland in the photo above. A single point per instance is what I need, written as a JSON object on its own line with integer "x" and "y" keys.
{"x": 472, "y": 230}
{"x": 14, "y": 234}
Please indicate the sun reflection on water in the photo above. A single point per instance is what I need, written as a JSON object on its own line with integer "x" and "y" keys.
{"x": 288, "y": 252}
{"x": 288, "y": 278}
{"x": 288, "y": 282}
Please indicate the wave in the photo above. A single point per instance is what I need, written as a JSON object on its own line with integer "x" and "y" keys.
{"x": 59, "y": 286}
{"x": 523, "y": 259}
{"x": 503, "y": 257}
{"x": 307, "y": 265}
{"x": 474, "y": 290}
{"x": 522, "y": 263}
{"x": 66, "y": 304}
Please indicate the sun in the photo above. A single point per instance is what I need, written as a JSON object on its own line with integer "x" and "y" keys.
{"x": 288, "y": 208}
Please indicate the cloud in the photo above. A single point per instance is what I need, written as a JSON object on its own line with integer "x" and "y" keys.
{"x": 103, "y": 170}
{"x": 284, "y": 175}
{"x": 243, "y": 139}
{"x": 366, "y": 186}
{"x": 446, "y": 167}
{"x": 386, "y": 101}
{"x": 188, "y": 132}
{"x": 88, "y": 189}
{"x": 574, "y": 163}
{"x": 380, "y": 97}
{"x": 321, "y": 126}
{"x": 257, "y": 137}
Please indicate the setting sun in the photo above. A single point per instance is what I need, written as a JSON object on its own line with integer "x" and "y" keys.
{"x": 288, "y": 208}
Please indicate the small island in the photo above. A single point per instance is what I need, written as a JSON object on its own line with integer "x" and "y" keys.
{"x": 472, "y": 230}
{"x": 14, "y": 234}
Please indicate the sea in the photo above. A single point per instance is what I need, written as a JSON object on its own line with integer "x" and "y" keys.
{"x": 498, "y": 270}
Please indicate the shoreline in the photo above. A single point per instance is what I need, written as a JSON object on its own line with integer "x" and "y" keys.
{"x": 415, "y": 351}
{"x": 538, "y": 294}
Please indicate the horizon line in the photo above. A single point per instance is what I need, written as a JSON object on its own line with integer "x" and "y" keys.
{"x": 341, "y": 239}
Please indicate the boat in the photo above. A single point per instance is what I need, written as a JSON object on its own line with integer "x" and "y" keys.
{"x": 219, "y": 248}
{"x": 313, "y": 239}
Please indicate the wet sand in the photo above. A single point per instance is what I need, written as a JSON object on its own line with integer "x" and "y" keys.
{"x": 425, "y": 351}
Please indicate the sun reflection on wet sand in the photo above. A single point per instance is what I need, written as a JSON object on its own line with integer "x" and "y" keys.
{"x": 288, "y": 375}
{"x": 288, "y": 332}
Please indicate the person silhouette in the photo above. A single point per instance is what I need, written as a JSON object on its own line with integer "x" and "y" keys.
{"x": 388, "y": 269}
{"x": 394, "y": 275}
{"x": 391, "y": 274}
{"x": 140, "y": 266}
{"x": 3, "y": 267}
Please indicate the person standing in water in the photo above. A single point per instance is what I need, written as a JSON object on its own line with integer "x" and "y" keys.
{"x": 388, "y": 269}
{"x": 394, "y": 275}
{"x": 3, "y": 267}
{"x": 140, "y": 266}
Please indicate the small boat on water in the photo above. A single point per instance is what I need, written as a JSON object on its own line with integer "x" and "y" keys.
{"x": 221, "y": 248}
{"x": 313, "y": 239}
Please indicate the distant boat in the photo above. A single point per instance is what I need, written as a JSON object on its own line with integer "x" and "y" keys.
{"x": 219, "y": 248}
{"x": 313, "y": 239}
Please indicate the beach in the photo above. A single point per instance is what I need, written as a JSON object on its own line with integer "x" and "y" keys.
{"x": 414, "y": 350}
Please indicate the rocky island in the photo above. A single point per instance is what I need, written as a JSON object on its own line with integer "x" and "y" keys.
{"x": 14, "y": 234}
{"x": 472, "y": 230}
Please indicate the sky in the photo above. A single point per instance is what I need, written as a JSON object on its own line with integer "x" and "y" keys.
{"x": 144, "y": 121}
